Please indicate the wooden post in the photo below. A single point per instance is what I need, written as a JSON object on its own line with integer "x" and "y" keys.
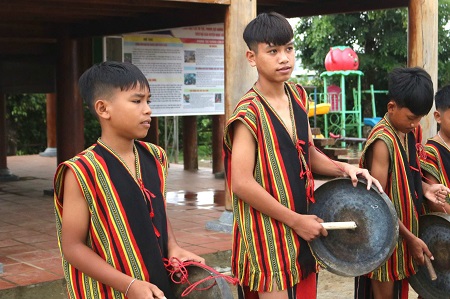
{"x": 3, "y": 135}
{"x": 238, "y": 15}
{"x": 50, "y": 151}
{"x": 190, "y": 143}
{"x": 5, "y": 173}
{"x": 423, "y": 48}
{"x": 69, "y": 106}
{"x": 217, "y": 144}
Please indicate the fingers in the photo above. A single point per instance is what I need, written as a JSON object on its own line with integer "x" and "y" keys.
{"x": 157, "y": 293}
{"x": 441, "y": 195}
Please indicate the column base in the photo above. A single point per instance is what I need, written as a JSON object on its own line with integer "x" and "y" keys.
{"x": 49, "y": 152}
{"x": 223, "y": 224}
{"x": 7, "y": 176}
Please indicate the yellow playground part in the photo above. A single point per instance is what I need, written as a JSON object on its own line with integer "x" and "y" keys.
{"x": 322, "y": 108}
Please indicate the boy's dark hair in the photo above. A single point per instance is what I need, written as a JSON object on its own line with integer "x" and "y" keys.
{"x": 101, "y": 80}
{"x": 442, "y": 98}
{"x": 411, "y": 88}
{"x": 269, "y": 28}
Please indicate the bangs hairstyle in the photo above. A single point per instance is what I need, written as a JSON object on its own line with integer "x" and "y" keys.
{"x": 411, "y": 88}
{"x": 101, "y": 79}
{"x": 268, "y": 28}
{"x": 442, "y": 98}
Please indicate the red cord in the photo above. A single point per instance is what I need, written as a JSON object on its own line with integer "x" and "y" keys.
{"x": 179, "y": 275}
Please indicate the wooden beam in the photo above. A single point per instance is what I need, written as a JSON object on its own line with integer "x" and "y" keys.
{"x": 423, "y": 48}
{"x": 158, "y": 21}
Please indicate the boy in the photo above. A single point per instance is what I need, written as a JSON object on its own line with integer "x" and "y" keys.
{"x": 112, "y": 227}
{"x": 436, "y": 166}
{"x": 269, "y": 157}
{"x": 391, "y": 156}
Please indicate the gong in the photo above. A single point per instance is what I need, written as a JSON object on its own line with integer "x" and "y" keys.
{"x": 434, "y": 230}
{"x": 216, "y": 287}
{"x": 358, "y": 251}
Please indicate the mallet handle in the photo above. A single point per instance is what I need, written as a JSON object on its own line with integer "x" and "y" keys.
{"x": 430, "y": 267}
{"x": 339, "y": 225}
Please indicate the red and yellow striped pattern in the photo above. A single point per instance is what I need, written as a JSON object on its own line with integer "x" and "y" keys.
{"x": 437, "y": 162}
{"x": 265, "y": 251}
{"x": 110, "y": 235}
{"x": 400, "y": 265}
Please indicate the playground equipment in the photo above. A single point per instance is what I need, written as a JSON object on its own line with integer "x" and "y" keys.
{"x": 343, "y": 115}
{"x": 341, "y": 58}
{"x": 318, "y": 109}
{"x": 372, "y": 121}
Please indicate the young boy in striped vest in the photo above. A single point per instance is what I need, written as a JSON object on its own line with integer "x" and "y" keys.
{"x": 392, "y": 154}
{"x": 112, "y": 226}
{"x": 436, "y": 165}
{"x": 269, "y": 159}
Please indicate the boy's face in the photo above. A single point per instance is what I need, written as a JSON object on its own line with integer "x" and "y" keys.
{"x": 274, "y": 63}
{"x": 402, "y": 118}
{"x": 442, "y": 117}
{"x": 127, "y": 113}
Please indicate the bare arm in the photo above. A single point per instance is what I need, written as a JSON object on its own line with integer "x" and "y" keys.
{"x": 321, "y": 164}
{"x": 247, "y": 188}
{"x": 436, "y": 194}
{"x": 175, "y": 251}
{"x": 75, "y": 223}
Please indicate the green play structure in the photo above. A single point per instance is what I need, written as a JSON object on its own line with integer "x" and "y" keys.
{"x": 343, "y": 114}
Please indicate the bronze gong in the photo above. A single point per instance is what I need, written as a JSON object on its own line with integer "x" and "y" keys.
{"x": 434, "y": 230}
{"x": 354, "y": 252}
{"x": 216, "y": 287}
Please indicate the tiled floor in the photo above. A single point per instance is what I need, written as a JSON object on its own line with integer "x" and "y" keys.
{"x": 28, "y": 246}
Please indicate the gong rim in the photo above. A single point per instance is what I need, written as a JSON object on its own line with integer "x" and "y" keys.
{"x": 434, "y": 230}
{"x": 354, "y": 252}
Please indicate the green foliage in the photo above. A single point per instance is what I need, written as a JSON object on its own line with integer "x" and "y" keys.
{"x": 26, "y": 123}
{"x": 378, "y": 37}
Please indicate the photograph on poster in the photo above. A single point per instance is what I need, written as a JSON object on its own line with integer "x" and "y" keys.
{"x": 189, "y": 56}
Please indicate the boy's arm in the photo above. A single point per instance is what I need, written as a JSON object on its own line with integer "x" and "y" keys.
{"x": 75, "y": 224}
{"x": 175, "y": 251}
{"x": 433, "y": 206}
{"x": 436, "y": 193}
{"x": 321, "y": 164}
{"x": 247, "y": 188}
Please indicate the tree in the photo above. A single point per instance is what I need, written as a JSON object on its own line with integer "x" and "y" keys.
{"x": 378, "y": 37}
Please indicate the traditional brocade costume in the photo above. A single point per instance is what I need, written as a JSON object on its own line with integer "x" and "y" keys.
{"x": 437, "y": 162}
{"x": 404, "y": 188}
{"x": 265, "y": 251}
{"x": 128, "y": 225}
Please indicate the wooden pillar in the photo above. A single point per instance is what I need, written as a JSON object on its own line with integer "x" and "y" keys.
{"x": 50, "y": 151}
{"x": 5, "y": 173}
{"x": 238, "y": 15}
{"x": 190, "y": 143}
{"x": 69, "y": 106}
{"x": 3, "y": 136}
{"x": 423, "y": 48}
{"x": 217, "y": 144}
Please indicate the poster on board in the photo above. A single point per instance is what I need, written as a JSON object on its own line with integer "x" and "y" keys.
{"x": 184, "y": 66}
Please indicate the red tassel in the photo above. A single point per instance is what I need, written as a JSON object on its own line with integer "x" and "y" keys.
{"x": 421, "y": 151}
{"x": 148, "y": 196}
